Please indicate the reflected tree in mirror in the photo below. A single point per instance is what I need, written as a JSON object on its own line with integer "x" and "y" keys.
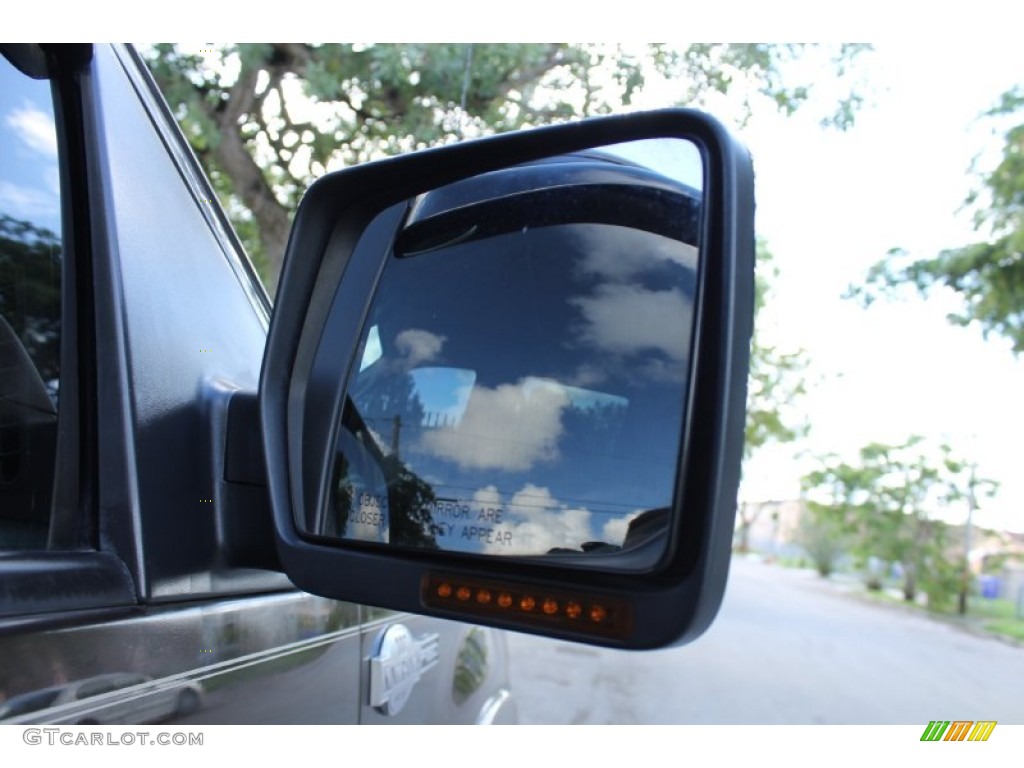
{"x": 522, "y": 373}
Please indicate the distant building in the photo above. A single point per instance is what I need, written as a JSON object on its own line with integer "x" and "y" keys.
{"x": 772, "y": 526}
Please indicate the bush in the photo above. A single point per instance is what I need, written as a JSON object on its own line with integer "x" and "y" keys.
{"x": 941, "y": 581}
{"x": 822, "y": 539}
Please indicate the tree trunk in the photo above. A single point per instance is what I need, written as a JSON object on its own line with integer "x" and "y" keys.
{"x": 247, "y": 179}
{"x": 744, "y": 545}
{"x": 274, "y": 231}
{"x": 909, "y": 585}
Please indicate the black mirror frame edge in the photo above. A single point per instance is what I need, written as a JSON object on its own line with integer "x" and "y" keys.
{"x": 671, "y": 605}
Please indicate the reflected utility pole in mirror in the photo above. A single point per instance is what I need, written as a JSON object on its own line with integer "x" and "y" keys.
{"x": 528, "y": 348}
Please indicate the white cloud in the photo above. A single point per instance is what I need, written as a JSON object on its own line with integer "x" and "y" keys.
{"x": 487, "y": 496}
{"x": 35, "y": 129}
{"x": 417, "y": 346}
{"x": 532, "y": 522}
{"x": 538, "y": 523}
{"x": 587, "y": 375}
{"x": 607, "y": 257}
{"x": 509, "y": 428}
{"x": 630, "y": 319}
{"x": 614, "y": 531}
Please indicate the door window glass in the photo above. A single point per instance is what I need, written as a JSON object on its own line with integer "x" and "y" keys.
{"x": 30, "y": 306}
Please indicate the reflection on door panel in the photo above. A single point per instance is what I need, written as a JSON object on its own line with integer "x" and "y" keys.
{"x": 279, "y": 658}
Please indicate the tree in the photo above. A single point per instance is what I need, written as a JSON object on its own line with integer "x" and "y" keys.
{"x": 30, "y": 293}
{"x": 988, "y": 274}
{"x": 883, "y": 503}
{"x": 266, "y": 120}
{"x": 775, "y": 375}
{"x": 822, "y": 538}
{"x": 776, "y": 380}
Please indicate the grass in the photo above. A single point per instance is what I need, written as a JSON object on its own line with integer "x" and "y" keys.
{"x": 789, "y": 561}
{"x": 1012, "y": 628}
{"x": 994, "y": 616}
{"x": 992, "y": 609}
{"x": 999, "y": 617}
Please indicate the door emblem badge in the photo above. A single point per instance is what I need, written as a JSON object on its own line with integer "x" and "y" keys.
{"x": 398, "y": 663}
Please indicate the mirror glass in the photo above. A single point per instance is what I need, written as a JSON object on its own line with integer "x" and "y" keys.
{"x": 522, "y": 371}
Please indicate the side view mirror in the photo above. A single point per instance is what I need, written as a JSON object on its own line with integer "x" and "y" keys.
{"x": 505, "y": 380}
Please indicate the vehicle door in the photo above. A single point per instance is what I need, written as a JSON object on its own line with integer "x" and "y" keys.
{"x": 423, "y": 671}
{"x": 130, "y": 323}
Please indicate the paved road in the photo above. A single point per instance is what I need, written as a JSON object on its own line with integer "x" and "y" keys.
{"x": 786, "y": 648}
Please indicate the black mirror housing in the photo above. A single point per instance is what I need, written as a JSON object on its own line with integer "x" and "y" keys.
{"x": 657, "y": 573}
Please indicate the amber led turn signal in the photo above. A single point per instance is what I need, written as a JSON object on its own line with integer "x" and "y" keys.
{"x": 526, "y": 605}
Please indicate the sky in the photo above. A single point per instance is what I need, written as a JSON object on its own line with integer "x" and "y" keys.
{"x": 831, "y": 204}
{"x": 30, "y": 188}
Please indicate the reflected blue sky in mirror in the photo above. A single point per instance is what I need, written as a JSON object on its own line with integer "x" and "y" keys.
{"x": 522, "y": 392}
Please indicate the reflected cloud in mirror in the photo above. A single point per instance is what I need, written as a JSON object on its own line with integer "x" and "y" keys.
{"x": 523, "y": 368}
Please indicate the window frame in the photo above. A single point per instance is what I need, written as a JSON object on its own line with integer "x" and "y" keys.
{"x": 71, "y": 579}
